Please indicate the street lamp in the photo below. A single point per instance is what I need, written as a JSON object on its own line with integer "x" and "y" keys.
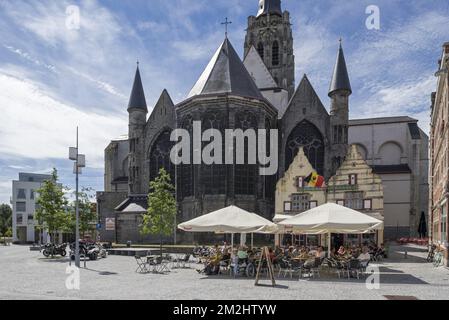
{"x": 80, "y": 162}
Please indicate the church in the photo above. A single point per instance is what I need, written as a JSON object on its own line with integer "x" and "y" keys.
{"x": 256, "y": 92}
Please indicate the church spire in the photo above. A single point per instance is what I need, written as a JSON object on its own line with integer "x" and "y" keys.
{"x": 137, "y": 99}
{"x": 272, "y": 7}
{"x": 340, "y": 78}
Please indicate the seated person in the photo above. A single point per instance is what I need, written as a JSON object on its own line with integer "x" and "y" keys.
{"x": 212, "y": 265}
{"x": 271, "y": 255}
{"x": 242, "y": 253}
{"x": 364, "y": 256}
{"x": 319, "y": 253}
{"x": 381, "y": 251}
{"x": 341, "y": 251}
{"x": 224, "y": 248}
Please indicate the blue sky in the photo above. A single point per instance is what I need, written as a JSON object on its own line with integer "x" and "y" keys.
{"x": 53, "y": 78}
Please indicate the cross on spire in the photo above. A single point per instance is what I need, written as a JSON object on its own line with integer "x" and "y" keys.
{"x": 226, "y": 23}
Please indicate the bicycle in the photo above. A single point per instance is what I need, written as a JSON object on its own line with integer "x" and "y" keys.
{"x": 431, "y": 254}
{"x": 438, "y": 259}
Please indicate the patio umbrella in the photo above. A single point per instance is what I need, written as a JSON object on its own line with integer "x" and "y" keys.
{"x": 231, "y": 219}
{"x": 331, "y": 218}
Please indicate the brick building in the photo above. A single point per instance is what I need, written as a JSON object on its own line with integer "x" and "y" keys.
{"x": 439, "y": 154}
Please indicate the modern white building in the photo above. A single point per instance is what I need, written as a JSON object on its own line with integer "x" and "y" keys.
{"x": 23, "y": 203}
{"x": 397, "y": 150}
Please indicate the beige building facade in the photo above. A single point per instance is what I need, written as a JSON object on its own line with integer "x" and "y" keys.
{"x": 354, "y": 185}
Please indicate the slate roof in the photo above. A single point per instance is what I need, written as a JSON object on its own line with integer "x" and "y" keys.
{"x": 226, "y": 73}
{"x": 340, "y": 78}
{"x": 137, "y": 99}
{"x": 383, "y": 120}
{"x": 415, "y": 133}
{"x": 392, "y": 169}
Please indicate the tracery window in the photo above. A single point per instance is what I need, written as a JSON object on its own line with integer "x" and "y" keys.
{"x": 186, "y": 176}
{"x": 213, "y": 177}
{"x": 306, "y": 135}
{"x": 159, "y": 156}
{"x": 245, "y": 174}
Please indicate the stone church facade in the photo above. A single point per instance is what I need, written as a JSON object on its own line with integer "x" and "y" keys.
{"x": 256, "y": 93}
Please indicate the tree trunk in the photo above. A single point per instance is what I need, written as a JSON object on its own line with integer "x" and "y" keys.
{"x": 161, "y": 244}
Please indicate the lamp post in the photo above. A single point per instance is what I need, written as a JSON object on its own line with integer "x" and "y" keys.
{"x": 80, "y": 162}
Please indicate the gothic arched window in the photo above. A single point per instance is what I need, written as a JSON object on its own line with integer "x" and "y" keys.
{"x": 275, "y": 55}
{"x": 245, "y": 174}
{"x": 260, "y": 49}
{"x": 213, "y": 177}
{"x": 306, "y": 135}
{"x": 186, "y": 176}
{"x": 270, "y": 181}
{"x": 159, "y": 156}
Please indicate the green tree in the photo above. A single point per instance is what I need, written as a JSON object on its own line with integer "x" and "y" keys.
{"x": 5, "y": 221}
{"x": 87, "y": 216}
{"x": 51, "y": 206}
{"x": 161, "y": 213}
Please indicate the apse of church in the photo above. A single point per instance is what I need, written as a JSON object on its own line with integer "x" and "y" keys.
{"x": 256, "y": 93}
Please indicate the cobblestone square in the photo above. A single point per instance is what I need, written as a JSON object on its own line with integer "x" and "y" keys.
{"x": 28, "y": 275}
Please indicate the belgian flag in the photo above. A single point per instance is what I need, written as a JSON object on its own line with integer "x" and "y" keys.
{"x": 314, "y": 180}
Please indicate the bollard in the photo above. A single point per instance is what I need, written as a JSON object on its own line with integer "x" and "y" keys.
{"x": 405, "y": 254}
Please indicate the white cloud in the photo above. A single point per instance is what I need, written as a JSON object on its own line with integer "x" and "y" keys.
{"x": 40, "y": 127}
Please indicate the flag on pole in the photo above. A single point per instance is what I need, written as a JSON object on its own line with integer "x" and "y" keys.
{"x": 314, "y": 180}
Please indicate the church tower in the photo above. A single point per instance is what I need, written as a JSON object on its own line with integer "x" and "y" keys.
{"x": 137, "y": 110}
{"x": 270, "y": 32}
{"x": 339, "y": 92}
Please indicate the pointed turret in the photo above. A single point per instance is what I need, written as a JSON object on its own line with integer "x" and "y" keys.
{"x": 137, "y": 110}
{"x": 339, "y": 92}
{"x": 272, "y": 7}
{"x": 137, "y": 99}
{"x": 226, "y": 73}
{"x": 340, "y": 79}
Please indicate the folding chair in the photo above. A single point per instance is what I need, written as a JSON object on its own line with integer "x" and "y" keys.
{"x": 160, "y": 265}
{"x": 354, "y": 266}
{"x": 185, "y": 262}
{"x": 142, "y": 266}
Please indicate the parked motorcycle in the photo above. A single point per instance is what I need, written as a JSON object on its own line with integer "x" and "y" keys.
{"x": 90, "y": 250}
{"x": 51, "y": 249}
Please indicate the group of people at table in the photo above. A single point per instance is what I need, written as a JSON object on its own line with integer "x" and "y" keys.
{"x": 215, "y": 257}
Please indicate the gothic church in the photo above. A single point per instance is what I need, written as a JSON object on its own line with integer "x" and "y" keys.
{"x": 259, "y": 93}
